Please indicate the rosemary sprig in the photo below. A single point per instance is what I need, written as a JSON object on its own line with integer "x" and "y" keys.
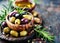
{"x": 37, "y": 1}
{"x": 43, "y": 33}
{"x": 20, "y": 11}
{"x": 6, "y": 9}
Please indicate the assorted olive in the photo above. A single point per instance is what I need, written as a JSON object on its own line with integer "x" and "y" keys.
{"x": 12, "y": 14}
{"x": 18, "y": 16}
{"x": 19, "y": 19}
{"x": 14, "y": 33}
{"x": 24, "y": 21}
{"x": 6, "y": 30}
{"x": 4, "y": 24}
{"x": 23, "y": 33}
{"x": 36, "y": 20}
{"x": 12, "y": 19}
{"x": 35, "y": 14}
{"x": 29, "y": 17}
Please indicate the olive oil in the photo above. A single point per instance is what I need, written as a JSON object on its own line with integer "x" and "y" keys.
{"x": 22, "y": 4}
{"x": 27, "y": 5}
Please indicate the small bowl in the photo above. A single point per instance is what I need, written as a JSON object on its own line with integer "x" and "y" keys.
{"x": 19, "y": 27}
{"x": 27, "y": 9}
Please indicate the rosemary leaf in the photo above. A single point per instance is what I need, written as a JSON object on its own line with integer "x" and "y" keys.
{"x": 42, "y": 32}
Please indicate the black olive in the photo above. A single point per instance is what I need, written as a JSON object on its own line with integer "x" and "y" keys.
{"x": 18, "y": 16}
{"x": 12, "y": 14}
{"x": 4, "y": 24}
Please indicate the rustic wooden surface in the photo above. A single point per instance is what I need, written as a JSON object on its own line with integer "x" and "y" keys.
{"x": 51, "y": 18}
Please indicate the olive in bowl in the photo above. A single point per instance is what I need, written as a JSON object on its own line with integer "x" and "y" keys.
{"x": 17, "y": 23}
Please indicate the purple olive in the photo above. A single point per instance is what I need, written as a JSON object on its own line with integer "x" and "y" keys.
{"x": 4, "y": 24}
{"x": 18, "y": 16}
{"x": 24, "y": 21}
{"x": 12, "y": 14}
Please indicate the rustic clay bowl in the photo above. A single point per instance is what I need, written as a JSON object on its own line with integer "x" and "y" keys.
{"x": 19, "y": 27}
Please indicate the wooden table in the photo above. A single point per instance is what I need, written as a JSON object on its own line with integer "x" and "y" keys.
{"x": 51, "y": 19}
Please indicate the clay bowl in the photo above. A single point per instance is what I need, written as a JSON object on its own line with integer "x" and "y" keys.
{"x": 19, "y": 27}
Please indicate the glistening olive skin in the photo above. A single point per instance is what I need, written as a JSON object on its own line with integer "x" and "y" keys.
{"x": 4, "y": 24}
{"x": 24, "y": 21}
{"x": 23, "y": 33}
{"x": 17, "y": 21}
{"x": 14, "y": 33}
{"x": 37, "y": 20}
{"x": 12, "y": 19}
{"x": 29, "y": 17}
{"x": 6, "y": 30}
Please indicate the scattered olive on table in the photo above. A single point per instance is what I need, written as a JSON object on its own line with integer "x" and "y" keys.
{"x": 14, "y": 33}
{"x": 23, "y": 33}
{"x": 37, "y": 20}
{"x": 35, "y": 14}
{"x": 4, "y": 24}
{"x": 24, "y": 21}
{"x": 6, "y": 30}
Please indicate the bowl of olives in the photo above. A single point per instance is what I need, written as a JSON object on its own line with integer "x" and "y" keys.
{"x": 18, "y": 27}
{"x": 18, "y": 21}
{"x": 14, "y": 36}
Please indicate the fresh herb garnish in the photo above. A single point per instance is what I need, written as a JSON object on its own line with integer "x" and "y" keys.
{"x": 6, "y": 9}
{"x": 19, "y": 10}
{"x": 42, "y": 32}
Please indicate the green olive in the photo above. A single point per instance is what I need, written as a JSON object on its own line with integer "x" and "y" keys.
{"x": 14, "y": 33}
{"x": 35, "y": 13}
{"x": 12, "y": 19}
{"x": 6, "y": 30}
{"x": 29, "y": 17}
{"x": 17, "y": 21}
{"x": 37, "y": 20}
{"x": 23, "y": 33}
